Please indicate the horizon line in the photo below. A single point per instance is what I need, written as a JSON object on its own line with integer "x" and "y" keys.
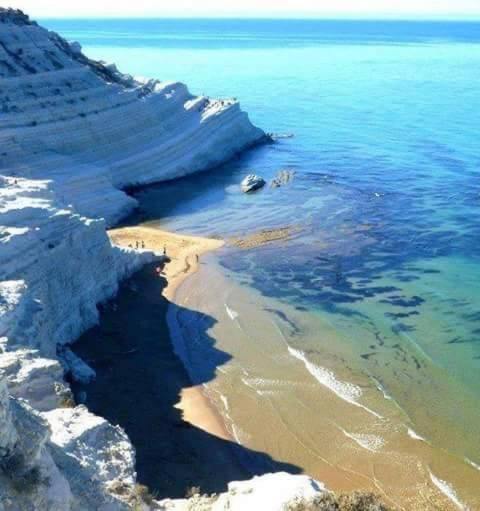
{"x": 410, "y": 18}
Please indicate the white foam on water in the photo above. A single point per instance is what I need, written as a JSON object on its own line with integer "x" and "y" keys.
{"x": 349, "y": 392}
{"x": 235, "y": 434}
{"x": 414, "y": 435}
{"x": 448, "y": 491}
{"x": 278, "y": 136}
{"x": 225, "y": 402}
{"x": 247, "y": 383}
{"x": 381, "y": 389}
{"x": 229, "y": 424}
{"x": 261, "y": 383}
{"x": 231, "y": 313}
{"x": 472, "y": 463}
{"x": 372, "y": 443}
{"x": 255, "y": 383}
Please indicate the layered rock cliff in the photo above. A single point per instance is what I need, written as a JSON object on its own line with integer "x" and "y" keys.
{"x": 73, "y": 134}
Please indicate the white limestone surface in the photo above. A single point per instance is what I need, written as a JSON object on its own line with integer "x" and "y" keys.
{"x": 94, "y": 456}
{"x": 271, "y": 492}
{"x": 93, "y": 131}
{"x": 74, "y": 133}
{"x": 29, "y": 478}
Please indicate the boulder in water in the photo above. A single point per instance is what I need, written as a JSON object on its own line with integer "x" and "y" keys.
{"x": 252, "y": 182}
{"x": 283, "y": 177}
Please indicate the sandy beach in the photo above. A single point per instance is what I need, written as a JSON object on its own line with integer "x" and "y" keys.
{"x": 182, "y": 250}
{"x": 141, "y": 384}
{"x": 183, "y": 254}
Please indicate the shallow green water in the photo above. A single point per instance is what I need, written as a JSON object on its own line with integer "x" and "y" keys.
{"x": 386, "y": 189}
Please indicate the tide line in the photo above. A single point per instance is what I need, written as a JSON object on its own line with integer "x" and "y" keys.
{"x": 448, "y": 491}
{"x": 349, "y": 392}
{"x": 372, "y": 443}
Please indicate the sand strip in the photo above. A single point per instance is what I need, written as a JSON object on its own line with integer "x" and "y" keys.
{"x": 184, "y": 253}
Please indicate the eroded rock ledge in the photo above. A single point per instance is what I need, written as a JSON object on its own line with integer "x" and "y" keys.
{"x": 73, "y": 134}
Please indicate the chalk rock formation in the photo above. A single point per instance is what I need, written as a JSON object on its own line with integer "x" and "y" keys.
{"x": 270, "y": 492}
{"x": 95, "y": 457}
{"x": 74, "y": 133}
{"x": 93, "y": 131}
{"x": 252, "y": 182}
{"x": 35, "y": 378}
{"x": 29, "y": 478}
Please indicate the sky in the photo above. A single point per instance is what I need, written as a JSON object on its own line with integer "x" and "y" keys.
{"x": 250, "y": 8}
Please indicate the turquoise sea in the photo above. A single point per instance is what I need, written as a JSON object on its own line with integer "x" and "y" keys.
{"x": 379, "y": 122}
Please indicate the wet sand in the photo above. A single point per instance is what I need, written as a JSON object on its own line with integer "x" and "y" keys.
{"x": 180, "y": 440}
{"x": 253, "y": 395}
{"x": 181, "y": 250}
{"x": 291, "y": 389}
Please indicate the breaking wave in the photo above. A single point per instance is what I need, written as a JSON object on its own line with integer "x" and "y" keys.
{"x": 381, "y": 388}
{"x": 448, "y": 491}
{"x": 414, "y": 435}
{"x": 231, "y": 313}
{"x": 369, "y": 442}
{"x": 225, "y": 402}
{"x": 349, "y": 392}
{"x": 472, "y": 464}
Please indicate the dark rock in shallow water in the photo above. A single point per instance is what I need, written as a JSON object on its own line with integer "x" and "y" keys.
{"x": 252, "y": 182}
{"x": 283, "y": 177}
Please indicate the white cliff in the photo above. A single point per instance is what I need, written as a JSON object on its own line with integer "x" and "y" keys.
{"x": 271, "y": 492}
{"x": 73, "y": 134}
{"x": 93, "y": 131}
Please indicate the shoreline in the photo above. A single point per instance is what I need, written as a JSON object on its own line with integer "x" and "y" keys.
{"x": 183, "y": 252}
{"x": 357, "y": 435}
{"x": 182, "y": 441}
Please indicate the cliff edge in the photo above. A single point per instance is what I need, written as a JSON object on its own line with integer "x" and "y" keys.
{"x": 73, "y": 134}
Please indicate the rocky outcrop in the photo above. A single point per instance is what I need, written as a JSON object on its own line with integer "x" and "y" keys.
{"x": 95, "y": 457}
{"x": 74, "y": 133}
{"x": 93, "y": 131}
{"x": 251, "y": 183}
{"x": 29, "y": 478}
{"x": 282, "y": 178}
{"x": 270, "y": 492}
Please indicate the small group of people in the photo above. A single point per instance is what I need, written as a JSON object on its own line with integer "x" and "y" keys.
{"x": 138, "y": 244}
{"x": 141, "y": 244}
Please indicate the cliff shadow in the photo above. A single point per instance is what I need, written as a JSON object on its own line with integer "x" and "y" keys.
{"x": 182, "y": 195}
{"x": 139, "y": 381}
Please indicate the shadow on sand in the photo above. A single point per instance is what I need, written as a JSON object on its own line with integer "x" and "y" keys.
{"x": 139, "y": 380}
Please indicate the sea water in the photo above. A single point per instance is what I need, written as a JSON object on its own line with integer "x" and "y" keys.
{"x": 378, "y": 124}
